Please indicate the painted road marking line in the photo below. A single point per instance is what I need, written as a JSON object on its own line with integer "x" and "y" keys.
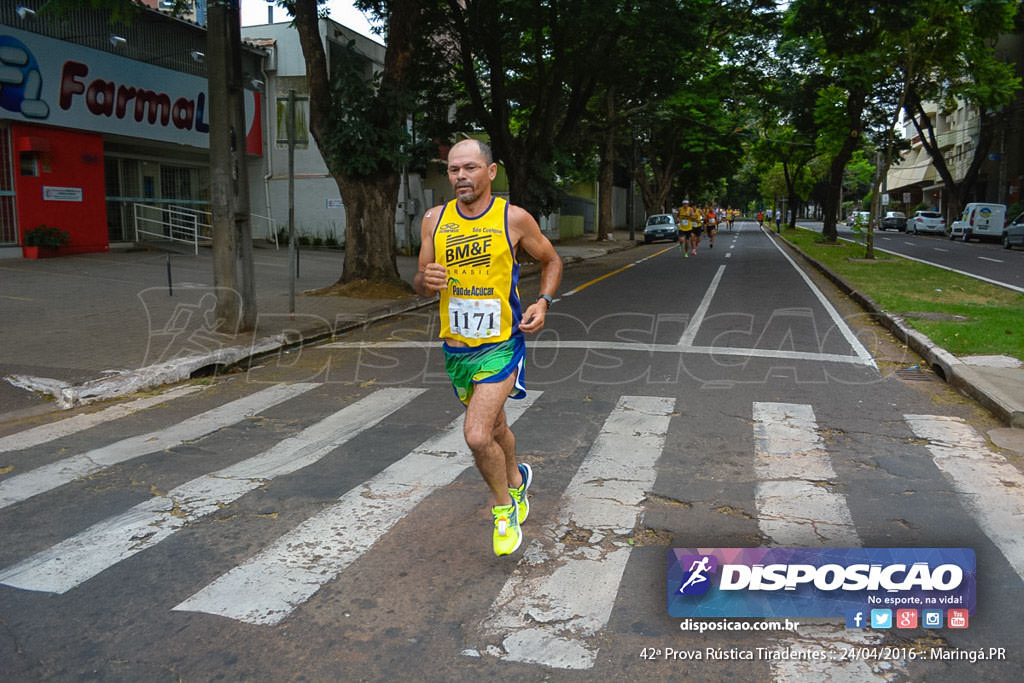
{"x": 101, "y": 546}
{"x": 579, "y": 289}
{"x": 563, "y": 594}
{"x": 269, "y": 586}
{"x": 990, "y": 486}
{"x": 73, "y": 425}
{"x": 698, "y": 316}
{"x": 795, "y": 510}
{"x": 944, "y": 251}
{"x": 48, "y": 477}
{"x": 795, "y": 507}
{"x": 633, "y": 347}
{"x": 837, "y": 319}
{"x": 992, "y": 260}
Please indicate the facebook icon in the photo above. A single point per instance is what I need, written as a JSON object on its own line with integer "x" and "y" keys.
{"x": 855, "y": 619}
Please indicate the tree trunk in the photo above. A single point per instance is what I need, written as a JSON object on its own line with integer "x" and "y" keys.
{"x": 656, "y": 187}
{"x": 369, "y": 199}
{"x": 606, "y": 175}
{"x": 370, "y": 244}
{"x": 233, "y": 275}
{"x": 956, "y": 193}
{"x": 854, "y": 109}
{"x": 793, "y": 205}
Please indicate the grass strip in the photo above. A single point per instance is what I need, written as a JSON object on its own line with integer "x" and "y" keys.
{"x": 962, "y": 315}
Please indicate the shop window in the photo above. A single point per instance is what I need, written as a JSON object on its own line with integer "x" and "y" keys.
{"x": 301, "y": 121}
{"x": 28, "y": 163}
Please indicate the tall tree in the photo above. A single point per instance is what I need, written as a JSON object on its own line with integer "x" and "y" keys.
{"x": 527, "y": 70}
{"x": 359, "y": 123}
{"x": 843, "y": 41}
{"x": 955, "y": 63}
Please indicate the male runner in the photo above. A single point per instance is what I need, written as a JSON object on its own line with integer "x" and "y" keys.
{"x": 697, "y": 221}
{"x": 468, "y": 254}
{"x": 711, "y": 226}
{"x": 685, "y": 227}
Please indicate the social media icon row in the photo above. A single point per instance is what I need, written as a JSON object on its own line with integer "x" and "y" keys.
{"x": 906, "y": 618}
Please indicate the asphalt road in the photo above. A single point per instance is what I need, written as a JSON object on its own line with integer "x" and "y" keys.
{"x": 331, "y": 526}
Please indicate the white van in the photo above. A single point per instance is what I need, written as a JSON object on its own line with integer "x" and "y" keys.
{"x": 979, "y": 220}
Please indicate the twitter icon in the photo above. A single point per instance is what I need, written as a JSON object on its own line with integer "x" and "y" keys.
{"x": 881, "y": 618}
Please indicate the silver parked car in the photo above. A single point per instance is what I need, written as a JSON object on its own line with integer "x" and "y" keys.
{"x": 927, "y": 221}
{"x": 1013, "y": 233}
{"x": 661, "y": 226}
{"x": 894, "y": 220}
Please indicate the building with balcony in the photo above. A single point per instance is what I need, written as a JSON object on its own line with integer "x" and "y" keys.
{"x": 914, "y": 181}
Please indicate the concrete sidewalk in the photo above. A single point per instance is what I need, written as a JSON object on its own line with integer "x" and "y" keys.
{"x": 87, "y": 327}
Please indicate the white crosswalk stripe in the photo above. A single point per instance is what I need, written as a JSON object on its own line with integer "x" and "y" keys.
{"x": 990, "y": 486}
{"x": 266, "y": 588}
{"x": 72, "y": 425}
{"x": 48, "y": 477}
{"x": 795, "y": 509}
{"x": 794, "y": 506}
{"x": 541, "y": 616}
{"x": 566, "y": 586}
{"x": 67, "y": 564}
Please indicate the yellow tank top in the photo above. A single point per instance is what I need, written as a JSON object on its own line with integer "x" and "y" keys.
{"x": 481, "y": 304}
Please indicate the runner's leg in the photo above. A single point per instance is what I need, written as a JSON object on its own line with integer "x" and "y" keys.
{"x": 491, "y": 441}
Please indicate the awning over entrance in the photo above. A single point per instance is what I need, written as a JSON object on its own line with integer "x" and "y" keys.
{"x": 915, "y": 168}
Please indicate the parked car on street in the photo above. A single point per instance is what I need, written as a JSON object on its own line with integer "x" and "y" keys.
{"x": 979, "y": 220}
{"x": 1014, "y": 232}
{"x": 858, "y": 219}
{"x": 894, "y": 220}
{"x": 661, "y": 226}
{"x": 926, "y": 221}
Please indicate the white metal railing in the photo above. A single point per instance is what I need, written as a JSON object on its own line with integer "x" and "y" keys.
{"x": 268, "y": 224}
{"x": 174, "y": 223}
{"x": 183, "y": 224}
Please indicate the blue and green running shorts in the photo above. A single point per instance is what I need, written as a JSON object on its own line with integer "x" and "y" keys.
{"x": 471, "y": 365}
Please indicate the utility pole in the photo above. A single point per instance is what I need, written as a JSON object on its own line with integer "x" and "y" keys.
{"x": 233, "y": 275}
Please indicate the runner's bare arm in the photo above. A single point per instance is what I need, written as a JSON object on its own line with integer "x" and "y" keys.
{"x": 526, "y": 233}
{"x": 430, "y": 276}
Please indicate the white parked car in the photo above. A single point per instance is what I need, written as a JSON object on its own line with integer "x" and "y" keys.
{"x": 979, "y": 220}
{"x": 926, "y": 221}
{"x": 858, "y": 219}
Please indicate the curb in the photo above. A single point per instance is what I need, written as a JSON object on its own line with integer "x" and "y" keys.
{"x": 224, "y": 359}
{"x": 214, "y": 362}
{"x": 951, "y": 369}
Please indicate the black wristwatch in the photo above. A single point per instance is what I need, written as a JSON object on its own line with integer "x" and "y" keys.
{"x": 546, "y": 298}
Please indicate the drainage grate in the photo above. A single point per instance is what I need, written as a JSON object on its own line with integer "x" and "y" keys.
{"x": 916, "y": 373}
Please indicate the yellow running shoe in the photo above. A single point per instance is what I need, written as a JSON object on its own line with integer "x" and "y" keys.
{"x": 507, "y": 535}
{"x": 519, "y": 494}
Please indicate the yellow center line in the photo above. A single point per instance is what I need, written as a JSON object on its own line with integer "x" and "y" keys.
{"x": 614, "y": 272}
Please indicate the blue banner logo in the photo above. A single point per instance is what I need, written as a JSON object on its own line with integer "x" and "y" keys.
{"x": 820, "y": 582}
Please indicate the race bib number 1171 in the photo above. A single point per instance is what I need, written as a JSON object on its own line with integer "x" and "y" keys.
{"x": 475, "y": 318}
